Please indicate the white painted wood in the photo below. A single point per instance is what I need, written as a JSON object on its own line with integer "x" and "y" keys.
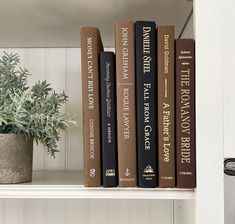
{"x": 97, "y": 211}
{"x": 100, "y": 211}
{"x": 2, "y": 211}
{"x": 229, "y": 202}
{"x": 52, "y": 23}
{"x": 56, "y": 75}
{"x": 34, "y": 211}
{"x": 74, "y": 109}
{"x": 209, "y": 113}
{"x": 228, "y": 53}
{"x": 138, "y": 211}
{"x": 15, "y": 212}
{"x": 117, "y": 211}
{"x": 60, "y": 184}
{"x": 55, "y": 211}
{"x": 184, "y": 212}
{"x": 76, "y": 211}
{"x": 161, "y": 212}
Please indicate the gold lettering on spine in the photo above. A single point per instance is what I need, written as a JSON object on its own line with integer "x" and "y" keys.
{"x": 108, "y": 99}
{"x": 147, "y": 86}
{"x": 108, "y": 89}
{"x": 147, "y": 126}
{"x": 90, "y": 84}
{"x": 166, "y": 113}
{"x": 126, "y": 113}
{"x": 92, "y": 138}
{"x": 125, "y": 90}
{"x": 146, "y": 50}
{"x": 90, "y": 96}
{"x": 166, "y": 53}
{"x": 124, "y": 32}
{"x": 185, "y": 141}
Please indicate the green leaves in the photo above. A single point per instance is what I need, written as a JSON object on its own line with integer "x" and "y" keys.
{"x": 10, "y": 78}
{"x": 34, "y": 112}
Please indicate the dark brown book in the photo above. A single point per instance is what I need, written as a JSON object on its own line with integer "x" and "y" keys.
{"x": 126, "y": 117}
{"x": 91, "y": 45}
{"x": 166, "y": 111}
{"x": 185, "y": 114}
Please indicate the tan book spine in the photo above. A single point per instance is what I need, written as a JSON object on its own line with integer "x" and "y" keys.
{"x": 166, "y": 111}
{"x": 126, "y": 115}
{"x": 91, "y": 45}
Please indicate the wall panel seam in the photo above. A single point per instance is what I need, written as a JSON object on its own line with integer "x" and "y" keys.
{"x": 66, "y": 106}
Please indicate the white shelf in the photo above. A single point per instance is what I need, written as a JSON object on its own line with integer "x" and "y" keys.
{"x": 53, "y": 23}
{"x": 60, "y": 184}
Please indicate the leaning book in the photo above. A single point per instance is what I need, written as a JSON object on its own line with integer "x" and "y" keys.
{"x": 91, "y": 46}
{"x": 108, "y": 119}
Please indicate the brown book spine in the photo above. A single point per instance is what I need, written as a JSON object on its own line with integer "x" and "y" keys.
{"x": 126, "y": 117}
{"x": 185, "y": 113}
{"x": 91, "y": 45}
{"x": 166, "y": 132}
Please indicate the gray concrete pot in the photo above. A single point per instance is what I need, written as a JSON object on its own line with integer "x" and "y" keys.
{"x": 16, "y": 157}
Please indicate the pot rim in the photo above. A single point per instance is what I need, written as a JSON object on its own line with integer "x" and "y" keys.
{"x": 12, "y": 135}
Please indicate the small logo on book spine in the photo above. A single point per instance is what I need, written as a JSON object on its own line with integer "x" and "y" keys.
{"x": 110, "y": 173}
{"x": 127, "y": 173}
{"x": 148, "y": 173}
{"x": 92, "y": 172}
{"x": 148, "y": 169}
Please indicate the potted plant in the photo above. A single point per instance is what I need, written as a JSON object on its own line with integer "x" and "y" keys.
{"x": 26, "y": 115}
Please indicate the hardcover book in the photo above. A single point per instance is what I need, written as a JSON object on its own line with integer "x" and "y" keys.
{"x": 91, "y": 46}
{"x": 166, "y": 111}
{"x": 185, "y": 113}
{"x": 145, "y": 42}
{"x": 108, "y": 119}
{"x": 126, "y": 118}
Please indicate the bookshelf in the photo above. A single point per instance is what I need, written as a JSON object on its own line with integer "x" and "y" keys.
{"x": 69, "y": 184}
{"x": 34, "y": 30}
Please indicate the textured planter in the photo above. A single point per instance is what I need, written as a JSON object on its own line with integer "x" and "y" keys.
{"x": 16, "y": 156}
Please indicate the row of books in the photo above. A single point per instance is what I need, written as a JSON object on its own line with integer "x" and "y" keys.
{"x": 138, "y": 107}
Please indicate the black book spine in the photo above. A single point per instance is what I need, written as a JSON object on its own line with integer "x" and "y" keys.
{"x": 145, "y": 40}
{"x": 108, "y": 119}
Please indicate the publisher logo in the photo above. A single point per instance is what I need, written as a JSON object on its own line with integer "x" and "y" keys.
{"x": 110, "y": 173}
{"x": 148, "y": 173}
{"x": 148, "y": 169}
{"x": 127, "y": 172}
{"x": 92, "y": 172}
